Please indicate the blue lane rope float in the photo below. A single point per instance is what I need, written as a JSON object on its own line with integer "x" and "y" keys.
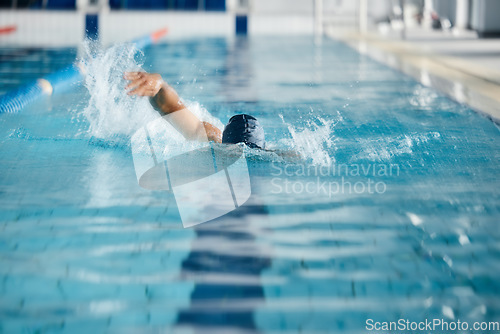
{"x": 15, "y": 100}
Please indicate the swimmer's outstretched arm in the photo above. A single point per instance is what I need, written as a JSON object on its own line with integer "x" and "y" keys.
{"x": 166, "y": 101}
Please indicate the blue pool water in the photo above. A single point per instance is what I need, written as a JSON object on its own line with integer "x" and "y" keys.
{"x": 391, "y": 213}
{"x": 22, "y": 66}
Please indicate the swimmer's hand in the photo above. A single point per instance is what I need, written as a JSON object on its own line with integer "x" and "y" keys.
{"x": 162, "y": 97}
{"x": 165, "y": 100}
{"x": 143, "y": 84}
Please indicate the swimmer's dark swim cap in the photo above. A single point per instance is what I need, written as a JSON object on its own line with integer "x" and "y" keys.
{"x": 244, "y": 129}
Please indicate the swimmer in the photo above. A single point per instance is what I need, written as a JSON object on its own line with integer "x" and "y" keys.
{"x": 241, "y": 128}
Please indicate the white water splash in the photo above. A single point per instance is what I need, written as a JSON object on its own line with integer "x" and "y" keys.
{"x": 203, "y": 114}
{"x": 315, "y": 141}
{"x": 110, "y": 110}
{"x": 384, "y": 148}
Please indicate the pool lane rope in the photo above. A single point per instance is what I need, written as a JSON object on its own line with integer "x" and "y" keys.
{"x": 15, "y": 100}
{"x": 8, "y": 29}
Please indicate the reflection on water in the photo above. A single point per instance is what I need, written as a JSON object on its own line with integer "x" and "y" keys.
{"x": 225, "y": 277}
{"x": 238, "y": 83}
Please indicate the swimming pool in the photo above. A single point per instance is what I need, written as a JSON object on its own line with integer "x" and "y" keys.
{"x": 392, "y": 213}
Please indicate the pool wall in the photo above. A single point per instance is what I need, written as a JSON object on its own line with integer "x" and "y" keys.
{"x": 42, "y": 29}
{"x": 67, "y": 28}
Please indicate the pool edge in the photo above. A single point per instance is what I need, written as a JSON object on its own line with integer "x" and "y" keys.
{"x": 477, "y": 92}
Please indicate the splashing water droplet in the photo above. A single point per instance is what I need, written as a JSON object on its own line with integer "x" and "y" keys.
{"x": 315, "y": 141}
{"x": 110, "y": 111}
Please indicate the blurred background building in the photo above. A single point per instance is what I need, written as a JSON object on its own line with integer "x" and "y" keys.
{"x": 35, "y": 21}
